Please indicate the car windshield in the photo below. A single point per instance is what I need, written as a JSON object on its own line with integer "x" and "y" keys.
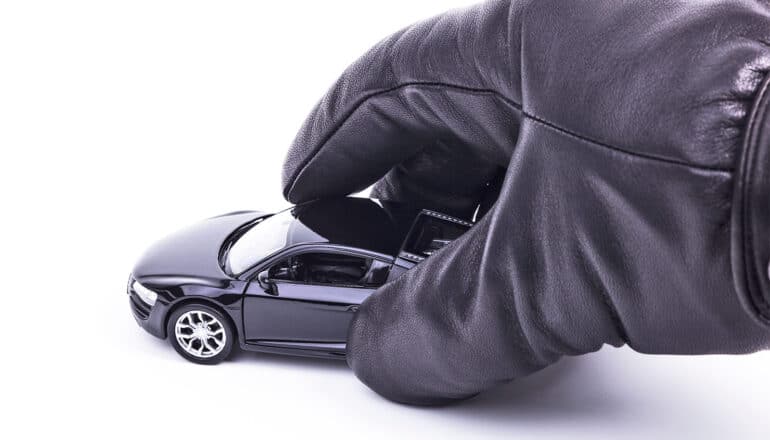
{"x": 263, "y": 239}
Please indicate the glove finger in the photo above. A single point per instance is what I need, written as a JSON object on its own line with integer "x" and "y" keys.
{"x": 444, "y": 178}
{"x": 439, "y": 99}
{"x": 443, "y": 332}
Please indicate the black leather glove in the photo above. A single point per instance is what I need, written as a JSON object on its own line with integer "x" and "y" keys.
{"x": 634, "y": 142}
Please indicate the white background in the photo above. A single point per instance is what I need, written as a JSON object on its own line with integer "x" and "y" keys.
{"x": 123, "y": 121}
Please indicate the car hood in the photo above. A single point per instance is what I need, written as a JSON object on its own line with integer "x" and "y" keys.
{"x": 192, "y": 253}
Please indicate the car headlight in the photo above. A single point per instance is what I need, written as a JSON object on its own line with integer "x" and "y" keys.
{"x": 147, "y": 295}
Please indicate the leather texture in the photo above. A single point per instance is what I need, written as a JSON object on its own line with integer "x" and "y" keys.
{"x": 627, "y": 145}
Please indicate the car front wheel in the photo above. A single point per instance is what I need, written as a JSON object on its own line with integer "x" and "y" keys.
{"x": 200, "y": 334}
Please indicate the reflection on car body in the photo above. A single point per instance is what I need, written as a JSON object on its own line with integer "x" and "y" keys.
{"x": 288, "y": 282}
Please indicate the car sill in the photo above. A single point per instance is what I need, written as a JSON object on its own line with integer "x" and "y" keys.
{"x": 324, "y": 346}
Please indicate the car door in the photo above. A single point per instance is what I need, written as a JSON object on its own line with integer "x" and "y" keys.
{"x": 310, "y": 297}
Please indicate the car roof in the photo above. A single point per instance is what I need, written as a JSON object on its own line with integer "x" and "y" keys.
{"x": 370, "y": 224}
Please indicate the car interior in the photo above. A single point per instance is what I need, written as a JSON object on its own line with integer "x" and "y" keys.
{"x": 330, "y": 268}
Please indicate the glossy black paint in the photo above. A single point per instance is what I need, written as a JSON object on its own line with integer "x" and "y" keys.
{"x": 194, "y": 251}
{"x": 277, "y": 315}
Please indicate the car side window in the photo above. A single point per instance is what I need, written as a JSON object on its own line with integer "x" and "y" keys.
{"x": 331, "y": 268}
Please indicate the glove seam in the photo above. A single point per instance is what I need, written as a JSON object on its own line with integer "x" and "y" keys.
{"x": 358, "y": 103}
{"x": 620, "y": 150}
{"x": 331, "y": 132}
{"x": 744, "y": 253}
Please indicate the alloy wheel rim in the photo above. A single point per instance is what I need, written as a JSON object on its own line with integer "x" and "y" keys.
{"x": 200, "y": 334}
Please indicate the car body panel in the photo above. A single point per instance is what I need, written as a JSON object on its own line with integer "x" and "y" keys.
{"x": 301, "y": 312}
{"x": 227, "y": 296}
{"x": 285, "y": 317}
{"x": 193, "y": 251}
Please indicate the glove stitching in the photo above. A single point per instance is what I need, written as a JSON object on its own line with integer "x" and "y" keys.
{"x": 652, "y": 157}
{"x": 358, "y": 103}
{"x": 330, "y": 133}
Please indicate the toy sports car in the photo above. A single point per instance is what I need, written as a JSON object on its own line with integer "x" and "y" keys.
{"x": 287, "y": 282}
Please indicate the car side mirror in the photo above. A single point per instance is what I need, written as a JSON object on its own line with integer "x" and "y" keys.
{"x": 263, "y": 279}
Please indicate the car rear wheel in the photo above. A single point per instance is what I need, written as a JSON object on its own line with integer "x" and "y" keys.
{"x": 200, "y": 334}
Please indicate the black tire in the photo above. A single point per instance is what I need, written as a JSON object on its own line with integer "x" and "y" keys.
{"x": 199, "y": 310}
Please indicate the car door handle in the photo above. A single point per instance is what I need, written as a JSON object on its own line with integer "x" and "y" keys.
{"x": 353, "y": 309}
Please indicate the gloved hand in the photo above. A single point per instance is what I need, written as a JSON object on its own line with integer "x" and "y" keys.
{"x": 635, "y": 146}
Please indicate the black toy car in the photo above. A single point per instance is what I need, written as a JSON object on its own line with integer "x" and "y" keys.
{"x": 288, "y": 282}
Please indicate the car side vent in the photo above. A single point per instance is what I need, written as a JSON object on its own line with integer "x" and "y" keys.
{"x": 430, "y": 232}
